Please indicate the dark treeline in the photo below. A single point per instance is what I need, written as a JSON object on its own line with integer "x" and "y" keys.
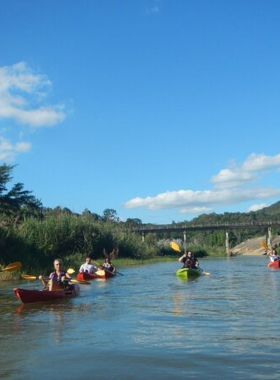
{"x": 37, "y": 235}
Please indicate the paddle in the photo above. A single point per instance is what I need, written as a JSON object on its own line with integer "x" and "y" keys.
{"x": 70, "y": 271}
{"x": 17, "y": 265}
{"x": 30, "y": 278}
{"x": 83, "y": 282}
{"x": 96, "y": 263}
{"x": 263, "y": 243}
{"x": 176, "y": 247}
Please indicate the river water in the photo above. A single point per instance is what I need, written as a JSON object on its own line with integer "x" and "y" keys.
{"x": 149, "y": 324}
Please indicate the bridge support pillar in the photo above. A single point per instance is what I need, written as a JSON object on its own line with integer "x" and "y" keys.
{"x": 269, "y": 240}
{"x": 185, "y": 242}
{"x": 143, "y": 237}
{"x": 227, "y": 244}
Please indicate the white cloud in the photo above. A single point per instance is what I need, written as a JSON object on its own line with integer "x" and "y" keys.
{"x": 21, "y": 92}
{"x": 257, "y": 207}
{"x": 227, "y": 189}
{"x": 228, "y": 178}
{"x": 23, "y": 96}
{"x": 8, "y": 151}
{"x": 247, "y": 172}
{"x": 193, "y": 200}
{"x": 260, "y": 162}
{"x": 153, "y": 6}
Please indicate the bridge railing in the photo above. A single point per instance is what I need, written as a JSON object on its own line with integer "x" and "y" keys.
{"x": 210, "y": 226}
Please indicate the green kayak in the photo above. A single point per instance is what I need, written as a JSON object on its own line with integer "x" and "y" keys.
{"x": 189, "y": 272}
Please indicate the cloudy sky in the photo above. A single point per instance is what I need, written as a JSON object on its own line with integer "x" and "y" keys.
{"x": 161, "y": 110}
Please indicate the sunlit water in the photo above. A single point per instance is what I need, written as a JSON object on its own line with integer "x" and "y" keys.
{"x": 150, "y": 324}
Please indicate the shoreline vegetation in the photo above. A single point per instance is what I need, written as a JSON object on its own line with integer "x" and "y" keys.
{"x": 35, "y": 235}
{"x": 118, "y": 263}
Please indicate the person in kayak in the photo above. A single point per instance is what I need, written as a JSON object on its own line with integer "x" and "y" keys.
{"x": 88, "y": 266}
{"x": 58, "y": 279}
{"x": 273, "y": 255}
{"x": 189, "y": 261}
{"x": 108, "y": 265}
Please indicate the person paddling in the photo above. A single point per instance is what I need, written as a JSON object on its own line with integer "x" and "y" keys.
{"x": 189, "y": 260}
{"x": 108, "y": 265}
{"x": 58, "y": 279}
{"x": 88, "y": 266}
{"x": 273, "y": 255}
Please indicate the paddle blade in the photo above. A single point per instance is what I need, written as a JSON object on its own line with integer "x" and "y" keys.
{"x": 70, "y": 271}
{"x": 100, "y": 272}
{"x": 175, "y": 246}
{"x": 17, "y": 265}
{"x": 28, "y": 277}
{"x": 263, "y": 244}
{"x": 83, "y": 282}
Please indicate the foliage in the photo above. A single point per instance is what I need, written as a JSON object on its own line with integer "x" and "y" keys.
{"x": 36, "y": 235}
{"x": 15, "y": 201}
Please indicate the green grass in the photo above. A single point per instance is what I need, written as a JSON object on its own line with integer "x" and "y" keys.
{"x": 78, "y": 260}
{"x": 9, "y": 276}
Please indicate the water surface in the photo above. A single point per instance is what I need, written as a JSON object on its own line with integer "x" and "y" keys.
{"x": 150, "y": 324}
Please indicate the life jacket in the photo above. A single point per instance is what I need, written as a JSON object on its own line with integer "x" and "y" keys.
{"x": 57, "y": 278}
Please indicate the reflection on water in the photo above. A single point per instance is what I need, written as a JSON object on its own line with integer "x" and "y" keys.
{"x": 149, "y": 323}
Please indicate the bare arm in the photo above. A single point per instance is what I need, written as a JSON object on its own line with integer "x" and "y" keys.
{"x": 181, "y": 259}
{"x": 44, "y": 282}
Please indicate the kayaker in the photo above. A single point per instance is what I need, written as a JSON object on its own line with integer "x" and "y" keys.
{"x": 273, "y": 255}
{"x": 88, "y": 266}
{"x": 189, "y": 260}
{"x": 57, "y": 279}
{"x": 108, "y": 265}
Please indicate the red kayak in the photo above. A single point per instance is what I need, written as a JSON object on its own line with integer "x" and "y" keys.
{"x": 274, "y": 264}
{"x": 30, "y": 296}
{"x": 101, "y": 273}
{"x": 86, "y": 276}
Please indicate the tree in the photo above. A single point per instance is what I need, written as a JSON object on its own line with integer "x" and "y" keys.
{"x": 110, "y": 214}
{"x": 132, "y": 222}
{"x": 17, "y": 200}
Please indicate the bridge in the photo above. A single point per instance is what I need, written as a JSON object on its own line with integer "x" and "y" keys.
{"x": 187, "y": 227}
{"x": 145, "y": 228}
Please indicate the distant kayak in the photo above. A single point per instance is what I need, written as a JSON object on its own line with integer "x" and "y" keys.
{"x": 275, "y": 264}
{"x": 86, "y": 276}
{"x": 189, "y": 272}
{"x": 105, "y": 273}
{"x": 30, "y": 296}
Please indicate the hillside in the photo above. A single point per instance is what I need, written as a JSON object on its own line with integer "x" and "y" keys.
{"x": 267, "y": 213}
{"x": 253, "y": 246}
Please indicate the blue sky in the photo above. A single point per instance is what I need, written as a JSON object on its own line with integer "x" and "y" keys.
{"x": 161, "y": 110}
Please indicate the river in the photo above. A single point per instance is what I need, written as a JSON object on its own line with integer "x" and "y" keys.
{"x": 149, "y": 324}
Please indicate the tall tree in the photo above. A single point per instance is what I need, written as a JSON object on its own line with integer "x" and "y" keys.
{"x": 15, "y": 200}
{"x": 110, "y": 214}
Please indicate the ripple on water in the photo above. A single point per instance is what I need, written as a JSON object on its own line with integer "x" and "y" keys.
{"x": 148, "y": 323}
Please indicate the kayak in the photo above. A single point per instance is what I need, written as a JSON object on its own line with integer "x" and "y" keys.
{"x": 105, "y": 273}
{"x": 275, "y": 264}
{"x": 188, "y": 272}
{"x": 30, "y": 296}
{"x": 86, "y": 276}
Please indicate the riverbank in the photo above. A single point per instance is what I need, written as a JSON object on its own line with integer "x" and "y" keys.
{"x": 253, "y": 246}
